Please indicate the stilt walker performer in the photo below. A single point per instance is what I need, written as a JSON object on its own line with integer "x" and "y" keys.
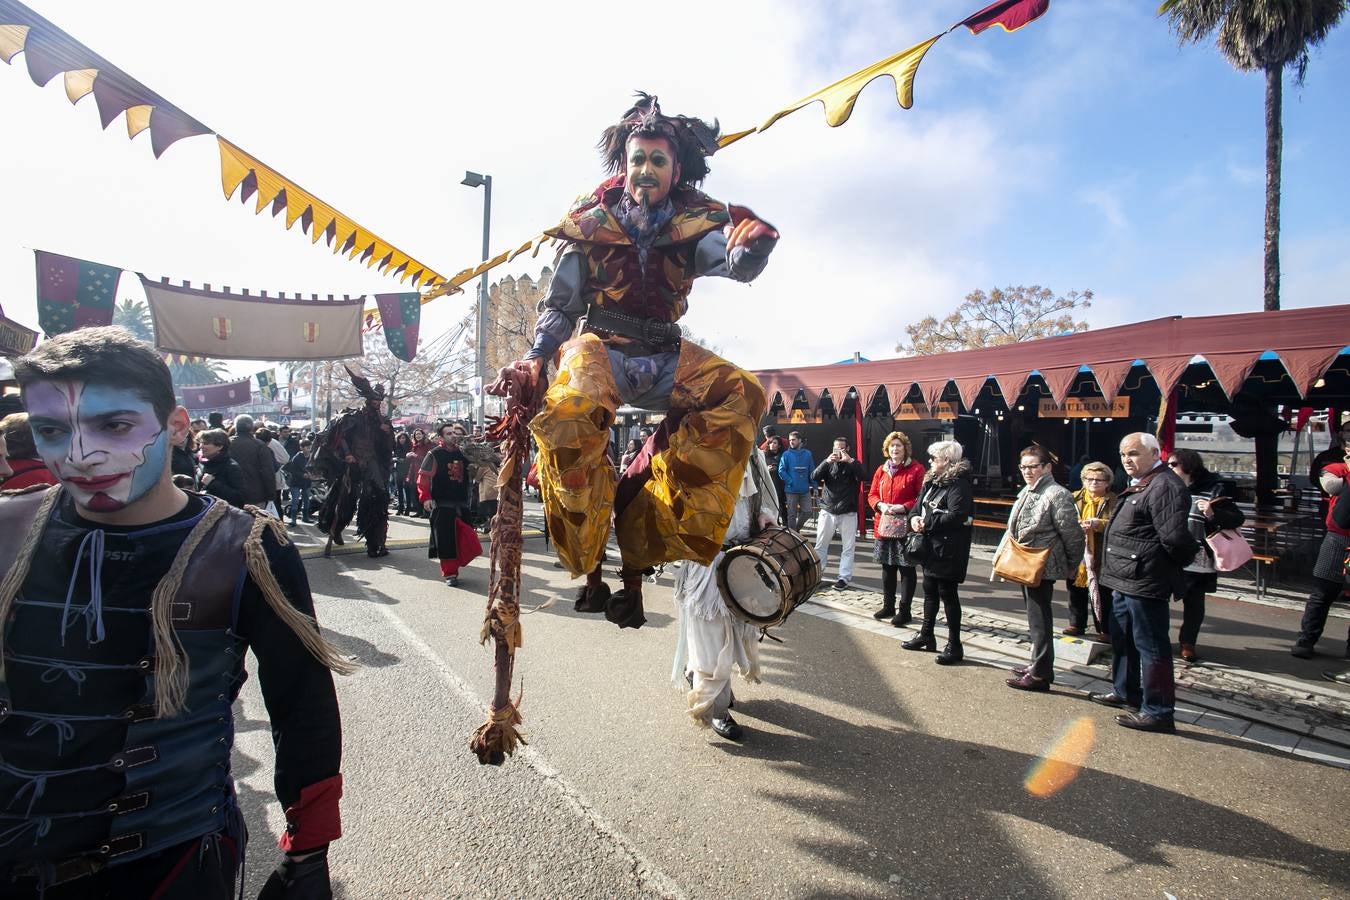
{"x": 355, "y": 455}
{"x": 633, "y": 248}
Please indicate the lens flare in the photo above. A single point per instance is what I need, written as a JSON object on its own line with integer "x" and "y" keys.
{"x": 1059, "y": 763}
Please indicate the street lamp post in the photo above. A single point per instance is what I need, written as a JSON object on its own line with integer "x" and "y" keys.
{"x": 473, "y": 180}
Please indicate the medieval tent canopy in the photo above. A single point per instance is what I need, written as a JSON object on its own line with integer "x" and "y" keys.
{"x": 222, "y": 325}
{"x": 1307, "y": 342}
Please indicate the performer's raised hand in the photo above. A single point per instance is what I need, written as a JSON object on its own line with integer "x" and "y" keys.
{"x": 766, "y": 521}
{"x": 747, "y": 230}
{"x": 753, "y": 234}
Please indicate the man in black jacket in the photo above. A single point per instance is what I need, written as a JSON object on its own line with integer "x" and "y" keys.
{"x": 842, "y": 476}
{"x": 256, "y": 461}
{"x": 1146, "y": 546}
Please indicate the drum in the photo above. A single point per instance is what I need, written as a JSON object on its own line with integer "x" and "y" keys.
{"x": 766, "y": 578}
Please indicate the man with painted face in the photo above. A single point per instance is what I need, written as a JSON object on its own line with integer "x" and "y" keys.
{"x": 129, "y": 606}
{"x": 633, "y": 248}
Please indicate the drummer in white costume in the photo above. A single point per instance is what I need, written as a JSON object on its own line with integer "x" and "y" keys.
{"x": 711, "y": 642}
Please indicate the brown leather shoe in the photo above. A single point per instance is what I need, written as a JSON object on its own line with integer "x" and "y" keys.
{"x": 1141, "y": 722}
{"x": 1073, "y": 631}
{"x": 1188, "y": 653}
{"x": 1028, "y": 682}
{"x": 1112, "y": 699}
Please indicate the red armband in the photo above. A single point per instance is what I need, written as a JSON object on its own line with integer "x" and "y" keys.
{"x": 314, "y": 819}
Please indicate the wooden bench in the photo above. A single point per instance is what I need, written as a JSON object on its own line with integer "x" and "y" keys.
{"x": 1263, "y": 559}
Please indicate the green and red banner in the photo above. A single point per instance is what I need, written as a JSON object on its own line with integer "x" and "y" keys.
{"x": 1009, "y": 15}
{"x": 74, "y": 293}
{"x": 400, "y": 315}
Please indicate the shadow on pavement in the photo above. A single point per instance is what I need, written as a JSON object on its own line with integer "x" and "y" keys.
{"x": 953, "y": 794}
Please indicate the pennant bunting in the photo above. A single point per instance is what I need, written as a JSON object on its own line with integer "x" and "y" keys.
{"x": 243, "y": 173}
{"x": 400, "y": 314}
{"x": 73, "y": 293}
{"x": 49, "y": 51}
{"x": 222, "y": 325}
{"x": 838, "y": 98}
{"x": 1009, "y": 15}
{"x": 267, "y": 384}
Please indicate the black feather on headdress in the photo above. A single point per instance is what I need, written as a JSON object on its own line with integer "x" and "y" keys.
{"x": 693, "y": 140}
{"x": 362, "y": 384}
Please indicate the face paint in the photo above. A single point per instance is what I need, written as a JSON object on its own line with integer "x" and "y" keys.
{"x": 651, "y": 170}
{"x": 105, "y": 444}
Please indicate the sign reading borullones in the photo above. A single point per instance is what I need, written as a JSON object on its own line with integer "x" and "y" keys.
{"x": 1084, "y": 408}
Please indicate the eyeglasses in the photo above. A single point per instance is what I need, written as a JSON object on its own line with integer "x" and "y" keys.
{"x": 1033, "y": 468}
{"x": 1097, "y": 480}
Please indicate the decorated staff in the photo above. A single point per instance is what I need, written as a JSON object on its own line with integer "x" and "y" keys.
{"x": 498, "y": 736}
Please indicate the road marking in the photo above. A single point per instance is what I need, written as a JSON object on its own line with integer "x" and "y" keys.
{"x": 644, "y": 870}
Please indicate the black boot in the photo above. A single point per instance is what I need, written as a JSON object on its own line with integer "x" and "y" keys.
{"x": 902, "y": 618}
{"x": 887, "y": 594}
{"x": 951, "y": 654}
{"x": 924, "y": 640}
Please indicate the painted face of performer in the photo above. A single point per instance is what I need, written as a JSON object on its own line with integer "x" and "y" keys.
{"x": 652, "y": 170}
{"x": 105, "y": 444}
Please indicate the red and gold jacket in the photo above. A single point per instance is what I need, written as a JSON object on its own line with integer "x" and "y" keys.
{"x": 614, "y": 276}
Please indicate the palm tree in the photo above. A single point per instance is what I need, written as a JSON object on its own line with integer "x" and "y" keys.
{"x": 134, "y": 316}
{"x": 1267, "y": 35}
{"x": 198, "y": 371}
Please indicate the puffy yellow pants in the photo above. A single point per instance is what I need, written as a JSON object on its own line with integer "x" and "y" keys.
{"x": 683, "y": 510}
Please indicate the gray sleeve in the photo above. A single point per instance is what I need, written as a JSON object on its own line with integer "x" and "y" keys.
{"x": 563, "y": 305}
{"x": 744, "y": 264}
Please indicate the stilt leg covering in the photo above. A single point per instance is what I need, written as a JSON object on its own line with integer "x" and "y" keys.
{"x": 683, "y": 510}
{"x": 572, "y": 432}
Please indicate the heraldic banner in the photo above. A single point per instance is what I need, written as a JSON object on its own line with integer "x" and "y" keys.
{"x": 74, "y": 293}
{"x": 201, "y": 397}
{"x": 222, "y": 325}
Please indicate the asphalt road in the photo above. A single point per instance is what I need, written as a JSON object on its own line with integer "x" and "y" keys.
{"x": 867, "y": 771}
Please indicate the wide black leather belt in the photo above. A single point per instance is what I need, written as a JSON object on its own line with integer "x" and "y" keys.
{"x": 660, "y": 336}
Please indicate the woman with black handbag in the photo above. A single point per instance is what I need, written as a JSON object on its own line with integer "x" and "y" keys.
{"x": 1043, "y": 544}
{"x": 939, "y": 540}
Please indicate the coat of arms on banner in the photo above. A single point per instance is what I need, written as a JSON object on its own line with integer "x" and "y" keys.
{"x": 311, "y": 332}
{"x": 222, "y": 328}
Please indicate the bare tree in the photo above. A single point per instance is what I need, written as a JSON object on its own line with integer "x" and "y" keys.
{"x": 1003, "y": 316}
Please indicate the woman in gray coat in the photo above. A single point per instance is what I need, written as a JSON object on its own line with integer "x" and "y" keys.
{"x": 1045, "y": 515}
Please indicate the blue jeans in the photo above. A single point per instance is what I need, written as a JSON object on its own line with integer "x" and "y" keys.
{"x": 1141, "y": 662}
{"x": 300, "y": 501}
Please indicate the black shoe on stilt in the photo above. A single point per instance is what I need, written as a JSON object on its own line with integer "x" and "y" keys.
{"x": 625, "y": 605}
{"x": 593, "y": 596}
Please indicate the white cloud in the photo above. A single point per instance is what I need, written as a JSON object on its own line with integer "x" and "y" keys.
{"x": 1109, "y": 202}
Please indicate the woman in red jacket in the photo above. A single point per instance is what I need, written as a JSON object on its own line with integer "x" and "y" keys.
{"x": 895, "y": 488}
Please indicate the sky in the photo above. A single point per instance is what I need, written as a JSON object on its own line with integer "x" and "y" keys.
{"x": 1085, "y": 151}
